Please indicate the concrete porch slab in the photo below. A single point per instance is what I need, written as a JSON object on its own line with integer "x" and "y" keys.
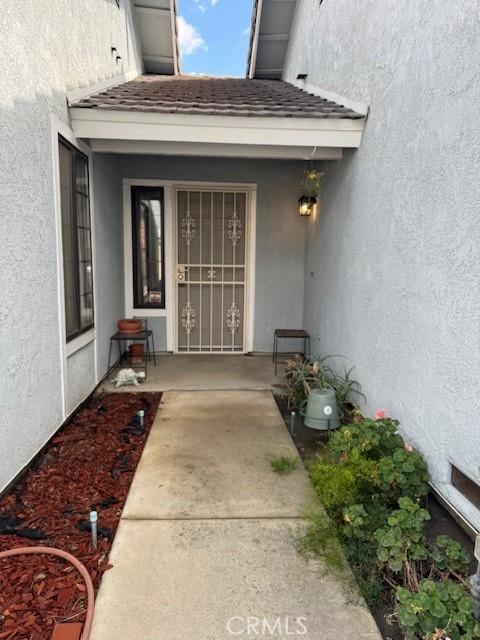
{"x": 205, "y": 579}
{"x": 208, "y": 456}
{"x": 206, "y": 371}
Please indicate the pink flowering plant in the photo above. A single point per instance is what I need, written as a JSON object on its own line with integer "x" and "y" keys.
{"x": 373, "y": 485}
{"x": 372, "y": 438}
{"x": 404, "y": 473}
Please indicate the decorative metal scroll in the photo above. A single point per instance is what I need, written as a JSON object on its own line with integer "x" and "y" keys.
{"x": 233, "y": 318}
{"x": 189, "y": 317}
{"x": 189, "y": 228}
{"x": 234, "y": 227}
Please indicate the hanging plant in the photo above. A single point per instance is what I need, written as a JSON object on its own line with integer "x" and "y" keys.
{"x": 311, "y": 183}
{"x": 310, "y": 186}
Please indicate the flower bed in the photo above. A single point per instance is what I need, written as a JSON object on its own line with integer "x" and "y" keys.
{"x": 373, "y": 487}
{"x": 88, "y": 465}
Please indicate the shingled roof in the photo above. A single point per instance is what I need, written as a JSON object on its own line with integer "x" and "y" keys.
{"x": 215, "y": 96}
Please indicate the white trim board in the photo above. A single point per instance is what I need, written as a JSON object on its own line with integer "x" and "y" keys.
{"x": 252, "y": 58}
{"x": 278, "y": 152}
{"x": 108, "y": 124}
{"x": 169, "y": 187}
{"x": 67, "y": 349}
{"x": 130, "y": 310}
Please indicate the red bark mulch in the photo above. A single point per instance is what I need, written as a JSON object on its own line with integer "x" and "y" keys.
{"x": 88, "y": 465}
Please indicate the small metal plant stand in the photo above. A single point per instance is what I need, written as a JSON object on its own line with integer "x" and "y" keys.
{"x": 122, "y": 338}
{"x": 289, "y": 334}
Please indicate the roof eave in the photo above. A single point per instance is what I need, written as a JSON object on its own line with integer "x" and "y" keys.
{"x": 109, "y": 124}
{"x": 254, "y": 34}
{"x": 155, "y": 58}
{"x": 271, "y": 26}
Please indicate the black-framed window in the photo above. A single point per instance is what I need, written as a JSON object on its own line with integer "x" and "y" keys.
{"x": 76, "y": 239}
{"x": 148, "y": 248}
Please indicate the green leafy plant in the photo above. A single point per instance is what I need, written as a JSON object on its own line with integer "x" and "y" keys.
{"x": 437, "y": 610}
{"x": 449, "y": 555}
{"x": 362, "y": 474}
{"x": 283, "y": 465}
{"x": 341, "y": 485}
{"x": 372, "y": 438}
{"x": 355, "y": 520}
{"x": 400, "y": 542}
{"x": 304, "y": 374}
{"x": 404, "y": 473}
{"x": 321, "y": 539}
{"x": 360, "y": 521}
{"x": 311, "y": 182}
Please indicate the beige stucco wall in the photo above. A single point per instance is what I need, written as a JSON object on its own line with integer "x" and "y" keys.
{"x": 393, "y": 264}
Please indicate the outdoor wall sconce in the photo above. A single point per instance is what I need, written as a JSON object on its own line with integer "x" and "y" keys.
{"x": 307, "y": 202}
{"x": 306, "y": 205}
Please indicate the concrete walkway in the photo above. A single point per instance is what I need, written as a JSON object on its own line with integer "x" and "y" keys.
{"x": 205, "y": 549}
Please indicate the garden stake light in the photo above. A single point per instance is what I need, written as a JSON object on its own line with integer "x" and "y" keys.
{"x": 292, "y": 423}
{"x": 93, "y": 524}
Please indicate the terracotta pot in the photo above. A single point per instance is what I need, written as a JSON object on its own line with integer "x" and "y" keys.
{"x": 129, "y": 325}
{"x": 137, "y": 350}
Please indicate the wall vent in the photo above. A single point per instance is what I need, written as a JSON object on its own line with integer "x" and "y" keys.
{"x": 469, "y": 489}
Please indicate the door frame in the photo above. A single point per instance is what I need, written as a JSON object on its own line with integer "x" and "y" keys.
{"x": 250, "y": 191}
{"x": 170, "y": 188}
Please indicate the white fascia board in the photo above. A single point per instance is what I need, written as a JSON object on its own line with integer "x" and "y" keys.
{"x": 148, "y": 147}
{"x": 173, "y": 19}
{"x": 135, "y": 125}
{"x": 255, "y": 27}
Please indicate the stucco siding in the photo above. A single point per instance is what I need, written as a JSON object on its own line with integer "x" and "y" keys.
{"x": 47, "y": 48}
{"x": 392, "y": 270}
{"x": 80, "y": 376}
{"x": 109, "y": 280}
{"x": 280, "y": 233}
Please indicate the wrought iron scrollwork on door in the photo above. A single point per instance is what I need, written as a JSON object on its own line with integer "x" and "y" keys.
{"x": 189, "y": 228}
{"x": 189, "y": 317}
{"x": 234, "y": 227}
{"x": 233, "y": 318}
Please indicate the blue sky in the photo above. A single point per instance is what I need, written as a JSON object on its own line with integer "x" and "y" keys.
{"x": 214, "y": 36}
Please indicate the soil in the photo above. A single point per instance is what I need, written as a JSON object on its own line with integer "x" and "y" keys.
{"x": 88, "y": 465}
{"x": 307, "y": 442}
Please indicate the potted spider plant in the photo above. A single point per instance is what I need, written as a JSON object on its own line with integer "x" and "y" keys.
{"x": 318, "y": 392}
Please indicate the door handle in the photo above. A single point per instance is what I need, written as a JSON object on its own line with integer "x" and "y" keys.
{"x": 181, "y": 273}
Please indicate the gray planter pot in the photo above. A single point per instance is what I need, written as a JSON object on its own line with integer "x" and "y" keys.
{"x": 322, "y": 410}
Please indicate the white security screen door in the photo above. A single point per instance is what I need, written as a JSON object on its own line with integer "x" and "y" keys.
{"x": 211, "y": 270}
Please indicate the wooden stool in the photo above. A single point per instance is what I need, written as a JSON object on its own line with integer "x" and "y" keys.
{"x": 289, "y": 334}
